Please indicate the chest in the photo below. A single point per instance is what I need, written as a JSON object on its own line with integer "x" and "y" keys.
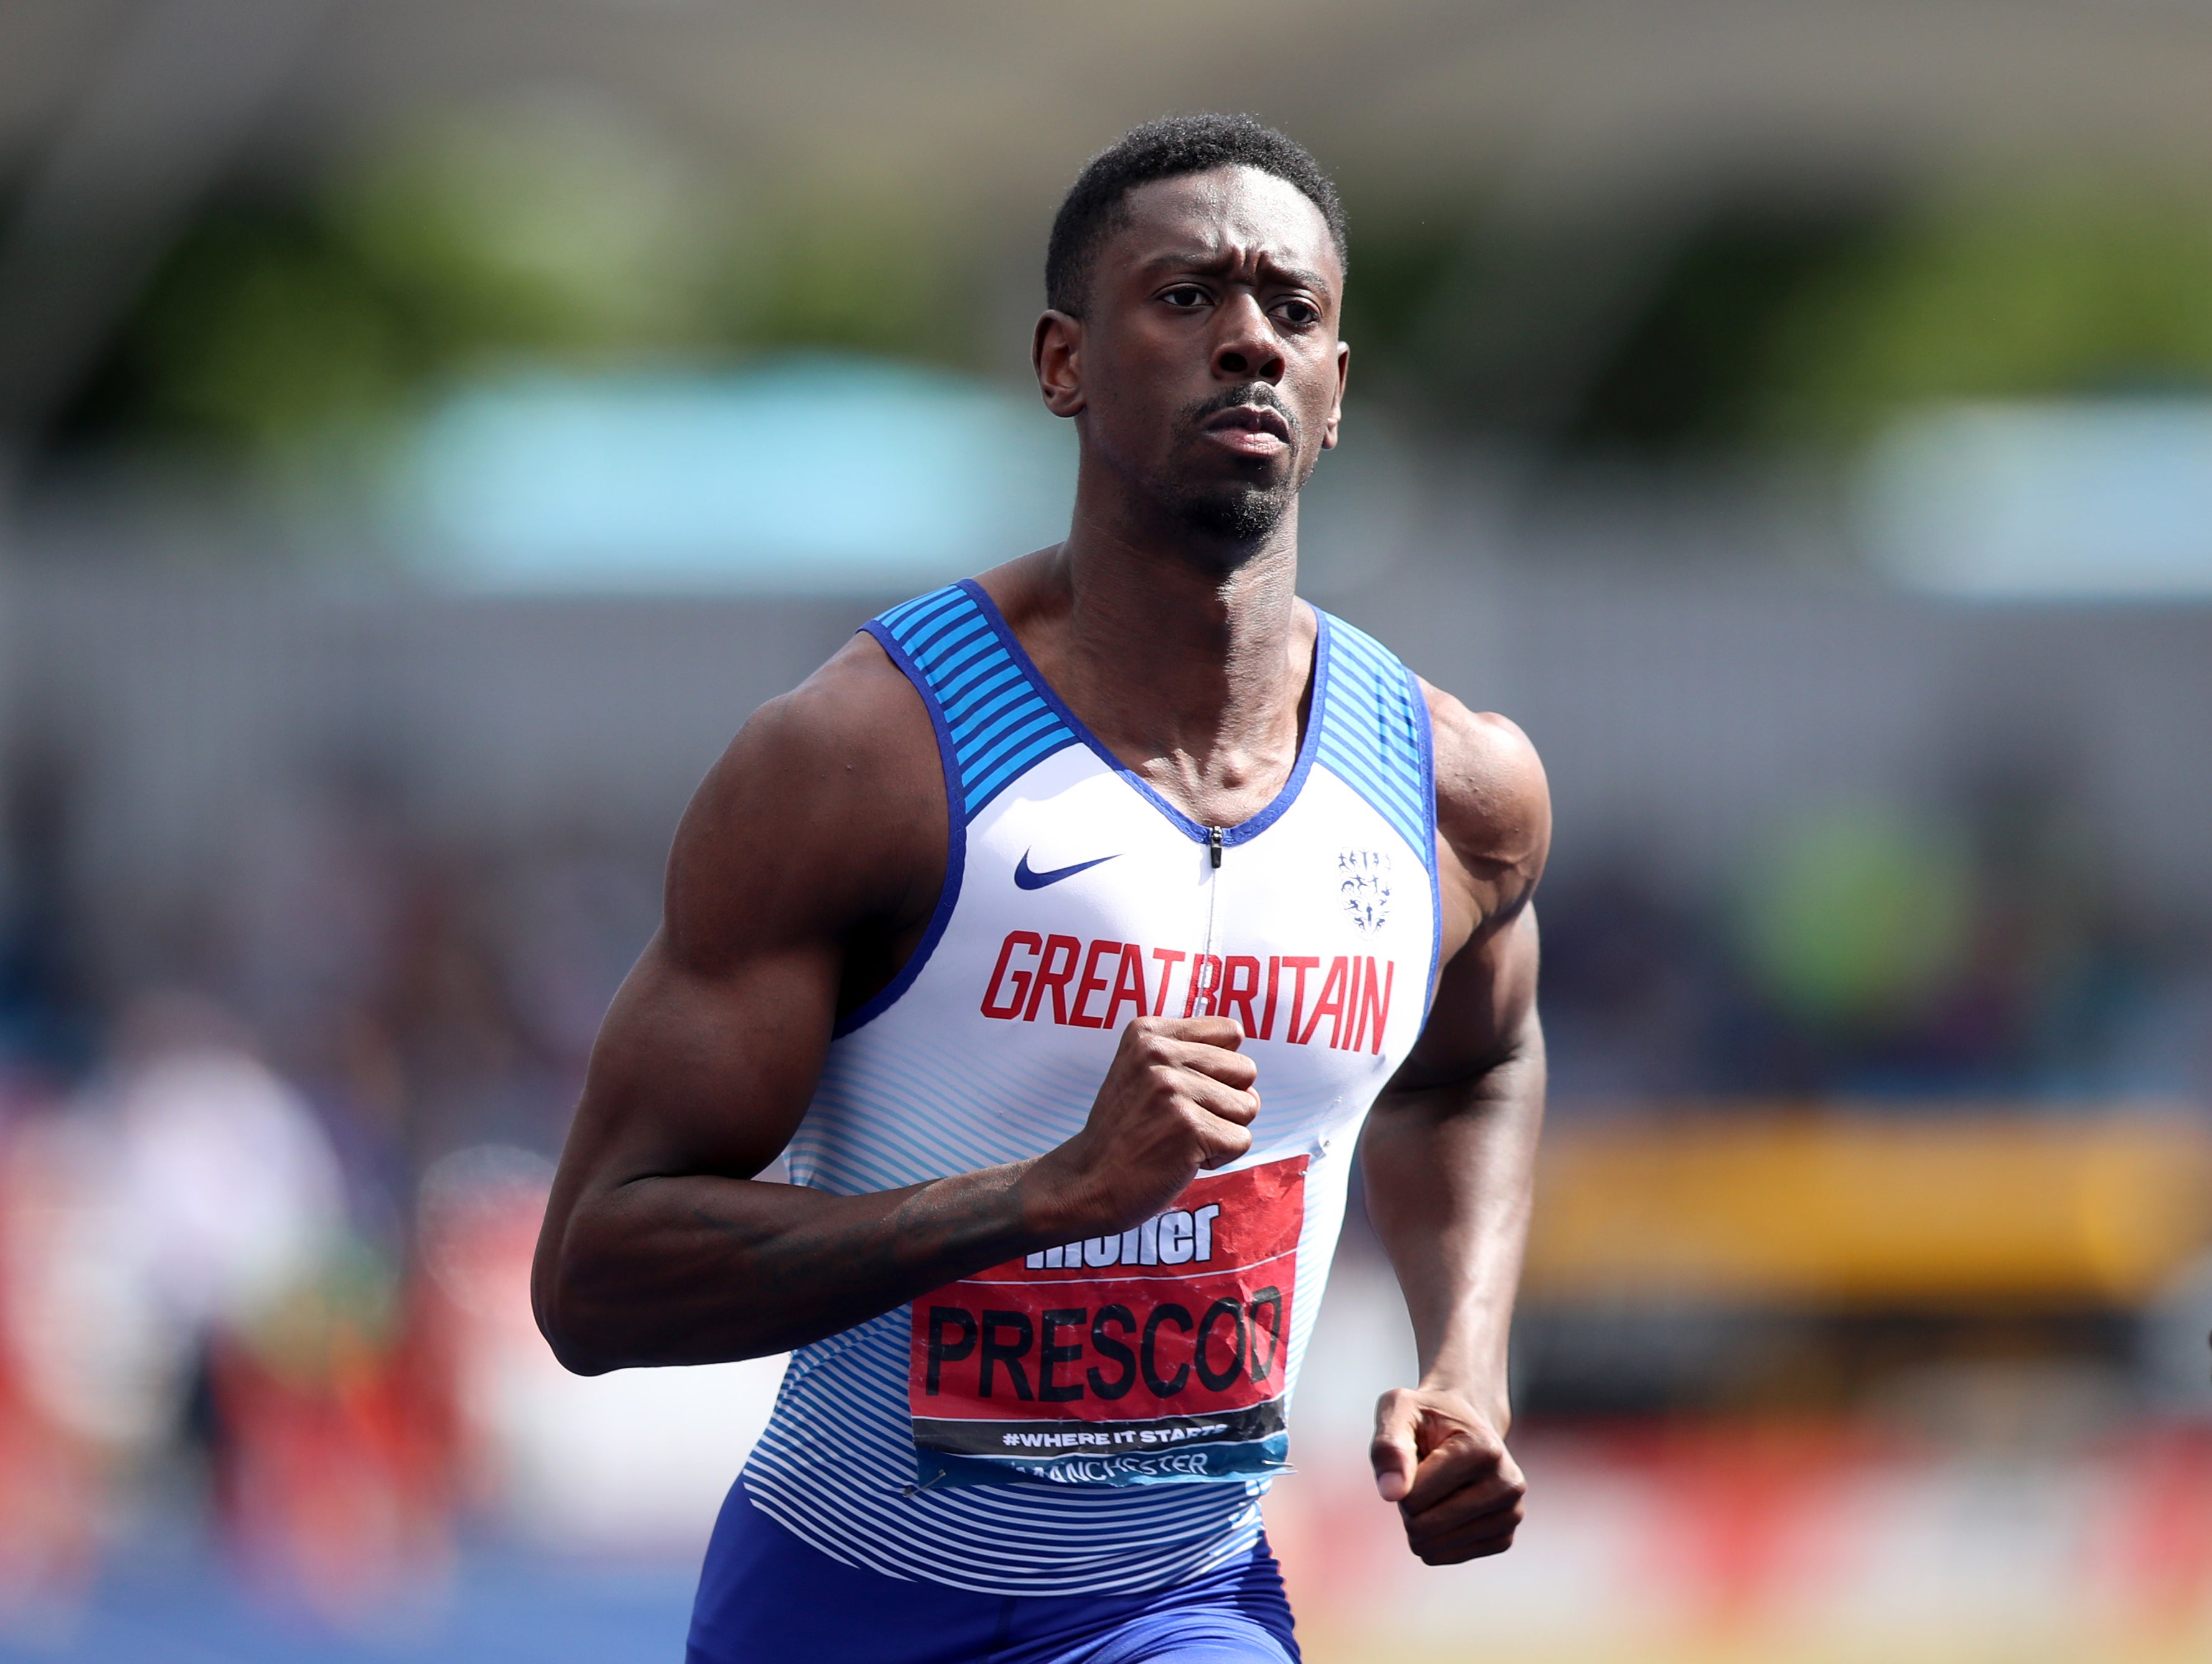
{"x": 1081, "y": 907}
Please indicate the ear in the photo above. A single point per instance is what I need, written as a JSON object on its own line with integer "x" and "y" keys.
{"x": 1056, "y": 353}
{"x": 1336, "y": 407}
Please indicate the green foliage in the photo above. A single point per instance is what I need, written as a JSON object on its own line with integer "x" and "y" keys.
{"x": 565, "y": 233}
{"x": 2061, "y": 292}
{"x": 863, "y": 274}
{"x": 1402, "y": 269}
{"x": 545, "y": 234}
{"x": 1693, "y": 367}
{"x": 546, "y": 230}
{"x": 1769, "y": 325}
{"x": 261, "y": 331}
{"x": 1851, "y": 921}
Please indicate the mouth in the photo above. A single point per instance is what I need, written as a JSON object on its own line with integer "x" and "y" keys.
{"x": 1250, "y": 428}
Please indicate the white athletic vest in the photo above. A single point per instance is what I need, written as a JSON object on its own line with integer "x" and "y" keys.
{"x": 1104, "y": 1416}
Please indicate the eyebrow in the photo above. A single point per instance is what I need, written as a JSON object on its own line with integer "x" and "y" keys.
{"x": 1201, "y": 259}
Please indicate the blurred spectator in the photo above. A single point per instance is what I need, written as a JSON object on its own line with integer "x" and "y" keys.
{"x": 187, "y": 1265}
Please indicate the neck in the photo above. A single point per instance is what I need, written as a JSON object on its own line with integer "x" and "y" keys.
{"x": 1189, "y": 659}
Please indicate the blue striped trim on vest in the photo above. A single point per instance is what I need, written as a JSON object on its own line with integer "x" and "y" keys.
{"x": 1027, "y": 1536}
{"x": 1375, "y": 735}
{"x": 997, "y": 721}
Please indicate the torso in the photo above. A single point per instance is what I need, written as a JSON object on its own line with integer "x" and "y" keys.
{"x": 1072, "y": 896}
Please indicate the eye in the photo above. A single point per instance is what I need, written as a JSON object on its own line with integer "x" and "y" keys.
{"x": 1183, "y": 297}
{"x": 1298, "y": 314}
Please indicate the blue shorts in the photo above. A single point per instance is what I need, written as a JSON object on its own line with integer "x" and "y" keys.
{"x": 765, "y": 1596}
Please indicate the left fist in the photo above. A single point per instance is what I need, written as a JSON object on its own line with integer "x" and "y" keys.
{"x": 1446, "y": 1466}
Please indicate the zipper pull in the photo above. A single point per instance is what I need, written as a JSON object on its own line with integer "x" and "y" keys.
{"x": 1213, "y": 841}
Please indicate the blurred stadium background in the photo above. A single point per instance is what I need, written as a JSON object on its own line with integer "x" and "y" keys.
{"x": 427, "y": 430}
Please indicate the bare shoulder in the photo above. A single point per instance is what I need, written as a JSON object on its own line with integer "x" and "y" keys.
{"x": 826, "y": 811}
{"x": 1493, "y": 804}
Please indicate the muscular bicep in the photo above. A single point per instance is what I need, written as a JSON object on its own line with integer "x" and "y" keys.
{"x": 1485, "y": 1008}
{"x": 822, "y": 826}
{"x": 706, "y": 1073}
{"x": 1494, "y": 836}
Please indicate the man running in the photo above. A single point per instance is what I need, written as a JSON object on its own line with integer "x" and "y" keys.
{"x": 1069, "y": 930}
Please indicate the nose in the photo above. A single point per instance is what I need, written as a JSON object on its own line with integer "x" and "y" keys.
{"x": 1246, "y": 349}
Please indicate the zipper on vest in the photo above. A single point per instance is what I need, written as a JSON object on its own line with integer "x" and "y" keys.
{"x": 1213, "y": 909}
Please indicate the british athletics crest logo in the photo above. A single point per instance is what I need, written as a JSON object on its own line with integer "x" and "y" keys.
{"x": 1363, "y": 887}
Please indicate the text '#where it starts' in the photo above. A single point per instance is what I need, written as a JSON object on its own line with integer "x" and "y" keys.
{"x": 1064, "y": 980}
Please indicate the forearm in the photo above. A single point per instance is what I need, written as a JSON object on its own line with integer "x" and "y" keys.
{"x": 655, "y": 1251}
{"x": 1450, "y": 1170}
{"x": 700, "y": 1270}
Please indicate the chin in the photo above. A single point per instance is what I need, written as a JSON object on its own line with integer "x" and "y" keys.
{"x": 1236, "y": 514}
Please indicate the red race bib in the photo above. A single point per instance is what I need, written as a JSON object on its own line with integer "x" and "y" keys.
{"x": 1159, "y": 1354}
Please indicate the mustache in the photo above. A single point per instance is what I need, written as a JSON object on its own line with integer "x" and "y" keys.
{"x": 1257, "y": 394}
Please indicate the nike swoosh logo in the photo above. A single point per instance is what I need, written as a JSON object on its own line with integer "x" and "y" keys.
{"x": 1029, "y": 880}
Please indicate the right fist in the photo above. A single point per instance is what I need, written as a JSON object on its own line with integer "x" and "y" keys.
{"x": 1177, "y": 1099}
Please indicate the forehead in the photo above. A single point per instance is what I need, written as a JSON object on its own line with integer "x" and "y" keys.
{"x": 1229, "y": 212}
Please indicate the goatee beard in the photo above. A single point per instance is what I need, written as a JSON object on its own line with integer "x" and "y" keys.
{"x": 1243, "y": 514}
{"x": 1239, "y": 513}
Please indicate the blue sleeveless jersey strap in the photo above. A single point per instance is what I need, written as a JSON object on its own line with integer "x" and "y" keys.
{"x": 993, "y": 721}
{"x": 992, "y": 724}
{"x": 1375, "y": 736}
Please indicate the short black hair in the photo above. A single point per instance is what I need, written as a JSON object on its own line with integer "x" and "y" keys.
{"x": 1095, "y": 206}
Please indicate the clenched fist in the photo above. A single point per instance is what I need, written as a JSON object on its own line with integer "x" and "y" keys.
{"x": 1446, "y": 1466}
{"x": 1178, "y": 1099}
